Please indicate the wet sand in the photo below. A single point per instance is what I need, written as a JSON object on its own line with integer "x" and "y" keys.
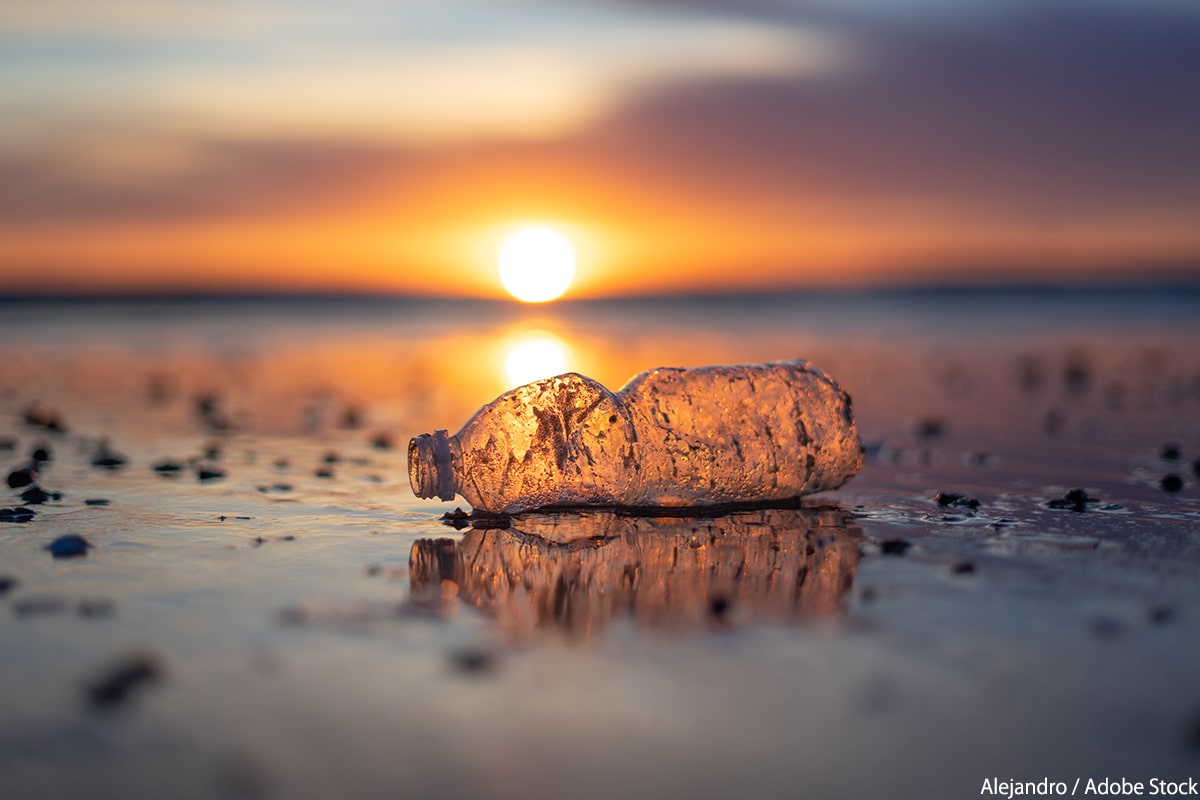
{"x": 255, "y": 605}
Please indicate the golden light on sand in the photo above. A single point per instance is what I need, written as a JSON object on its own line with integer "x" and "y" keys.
{"x": 533, "y": 356}
{"x": 536, "y": 264}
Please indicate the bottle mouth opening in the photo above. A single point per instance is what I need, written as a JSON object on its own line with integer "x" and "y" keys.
{"x": 429, "y": 470}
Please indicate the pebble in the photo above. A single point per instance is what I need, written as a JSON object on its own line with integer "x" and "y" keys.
{"x": 945, "y": 499}
{"x": 96, "y": 501}
{"x": 1074, "y": 500}
{"x": 963, "y": 568}
{"x": 205, "y": 474}
{"x": 473, "y": 661}
{"x": 382, "y": 441}
{"x": 323, "y": 472}
{"x": 72, "y": 545}
{"x": 36, "y": 495}
{"x": 1171, "y": 483}
{"x": 42, "y": 454}
{"x": 18, "y": 514}
{"x": 7, "y": 584}
{"x": 22, "y": 477}
{"x": 1170, "y": 452}
{"x": 894, "y": 547}
{"x": 116, "y": 685}
{"x": 108, "y": 459}
{"x": 168, "y": 467}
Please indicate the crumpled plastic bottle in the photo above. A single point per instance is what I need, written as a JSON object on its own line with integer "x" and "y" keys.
{"x": 672, "y": 437}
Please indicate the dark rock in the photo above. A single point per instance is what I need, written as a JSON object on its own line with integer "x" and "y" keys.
{"x": 1161, "y": 615}
{"x": 116, "y": 685}
{"x": 42, "y": 454}
{"x": 946, "y": 499}
{"x": 382, "y": 441}
{"x": 213, "y": 452}
{"x": 108, "y": 458}
{"x": 1171, "y": 483}
{"x": 1074, "y": 500}
{"x": 36, "y": 495}
{"x": 71, "y": 545}
{"x": 95, "y": 609}
{"x": 473, "y": 661}
{"x": 1170, "y": 452}
{"x": 963, "y": 568}
{"x": 931, "y": 428}
{"x": 39, "y": 606}
{"x": 209, "y": 473}
{"x": 894, "y": 547}
{"x": 276, "y": 487}
{"x": 282, "y": 463}
{"x": 331, "y": 458}
{"x": 323, "y": 472}
{"x": 351, "y": 419}
{"x": 18, "y": 514}
{"x": 22, "y": 477}
{"x": 96, "y": 501}
{"x": 7, "y": 584}
{"x": 168, "y": 467}
{"x": 1196, "y": 467}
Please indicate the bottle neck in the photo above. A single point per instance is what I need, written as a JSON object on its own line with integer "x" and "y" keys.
{"x": 430, "y": 467}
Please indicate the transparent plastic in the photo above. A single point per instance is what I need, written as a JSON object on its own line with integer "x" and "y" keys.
{"x": 672, "y": 437}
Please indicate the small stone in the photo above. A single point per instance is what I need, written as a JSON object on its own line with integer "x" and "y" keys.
{"x": 946, "y": 499}
{"x": 39, "y": 606}
{"x": 382, "y": 441}
{"x": 95, "y": 609}
{"x": 36, "y": 495}
{"x": 212, "y": 452}
{"x": 331, "y": 458}
{"x": 963, "y": 568}
{"x": 457, "y": 519}
{"x": 1196, "y": 467}
{"x": 473, "y": 661}
{"x": 116, "y": 685}
{"x": 22, "y": 477}
{"x": 168, "y": 467}
{"x": 7, "y": 584}
{"x": 894, "y": 547}
{"x": 71, "y": 545}
{"x": 931, "y": 428}
{"x": 210, "y": 473}
{"x": 323, "y": 472}
{"x": 1171, "y": 483}
{"x": 1161, "y": 615}
{"x": 107, "y": 458}
{"x": 41, "y": 454}
{"x": 1170, "y": 452}
{"x": 1075, "y": 500}
{"x": 96, "y": 501}
{"x": 18, "y": 514}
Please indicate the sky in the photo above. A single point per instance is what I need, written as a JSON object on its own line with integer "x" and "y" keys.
{"x": 686, "y": 145}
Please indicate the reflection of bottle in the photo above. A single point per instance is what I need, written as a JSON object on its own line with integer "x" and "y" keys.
{"x": 671, "y": 437}
{"x": 577, "y": 572}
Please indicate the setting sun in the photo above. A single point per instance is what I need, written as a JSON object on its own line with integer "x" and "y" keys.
{"x": 536, "y": 264}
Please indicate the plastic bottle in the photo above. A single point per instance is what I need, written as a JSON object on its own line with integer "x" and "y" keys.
{"x": 672, "y": 437}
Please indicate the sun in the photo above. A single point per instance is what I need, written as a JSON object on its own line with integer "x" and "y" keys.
{"x": 536, "y": 264}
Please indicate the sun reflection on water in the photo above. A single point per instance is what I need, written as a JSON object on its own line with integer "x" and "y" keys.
{"x": 534, "y": 355}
